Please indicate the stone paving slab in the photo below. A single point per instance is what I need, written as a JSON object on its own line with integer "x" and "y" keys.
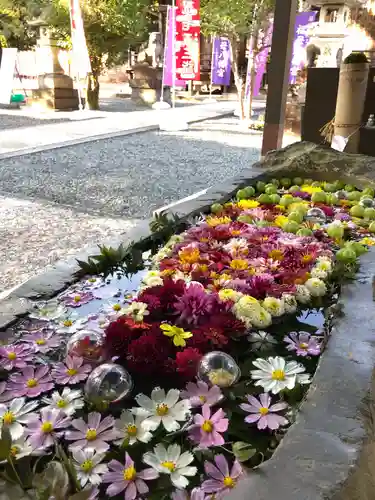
{"x": 40, "y": 137}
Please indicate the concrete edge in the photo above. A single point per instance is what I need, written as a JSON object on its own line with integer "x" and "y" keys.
{"x": 323, "y": 446}
{"x": 100, "y": 137}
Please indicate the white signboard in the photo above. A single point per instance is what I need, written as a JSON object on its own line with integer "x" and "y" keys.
{"x": 339, "y": 143}
{"x": 7, "y": 67}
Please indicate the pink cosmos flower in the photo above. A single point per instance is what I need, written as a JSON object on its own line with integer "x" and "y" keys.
{"x": 32, "y": 382}
{"x": 207, "y": 428}
{"x": 42, "y": 341}
{"x": 92, "y": 435}
{"x": 195, "y": 494}
{"x": 44, "y": 429}
{"x": 262, "y": 412}
{"x": 200, "y": 394}
{"x": 195, "y": 304}
{"x": 221, "y": 480}
{"x": 126, "y": 478}
{"x": 303, "y": 344}
{"x": 77, "y": 298}
{"x": 72, "y": 371}
{"x": 15, "y": 356}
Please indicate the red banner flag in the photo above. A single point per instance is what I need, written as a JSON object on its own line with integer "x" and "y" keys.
{"x": 187, "y": 40}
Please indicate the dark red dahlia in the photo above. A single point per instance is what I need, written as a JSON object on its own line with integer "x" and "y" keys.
{"x": 231, "y": 326}
{"x": 187, "y": 362}
{"x": 167, "y": 295}
{"x": 120, "y": 333}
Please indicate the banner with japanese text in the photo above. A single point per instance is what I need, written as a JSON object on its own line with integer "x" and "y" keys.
{"x": 260, "y": 60}
{"x": 301, "y": 41}
{"x": 187, "y": 40}
{"x": 169, "y": 51}
{"x": 80, "y": 56}
{"x": 221, "y": 62}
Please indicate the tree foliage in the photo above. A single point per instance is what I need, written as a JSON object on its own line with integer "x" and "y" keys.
{"x": 15, "y": 15}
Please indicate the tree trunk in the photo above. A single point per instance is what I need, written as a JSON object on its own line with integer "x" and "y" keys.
{"x": 92, "y": 97}
{"x": 238, "y": 80}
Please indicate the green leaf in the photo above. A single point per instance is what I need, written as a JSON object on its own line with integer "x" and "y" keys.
{"x": 82, "y": 495}
{"x": 5, "y": 443}
{"x": 243, "y": 451}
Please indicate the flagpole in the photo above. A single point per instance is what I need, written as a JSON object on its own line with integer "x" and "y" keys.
{"x": 161, "y": 104}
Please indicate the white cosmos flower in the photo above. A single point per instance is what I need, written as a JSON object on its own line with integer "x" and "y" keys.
{"x": 131, "y": 428}
{"x": 88, "y": 467}
{"x": 171, "y": 461}
{"x": 290, "y": 303}
{"x": 14, "y": 414}
{"x": 68, "y": 401}
{"x": 261, "y": 341}
{"x": 276, "y": 374}
{"x": 137, "y": 311}
{"x": 316, "y": 287}
{"x": 162, "y": 408}
{"x": 274, "y": 306}
{"x": 302, "y": 294}
{"x": 71, "y": 324}
{"x": 22, "y": 447}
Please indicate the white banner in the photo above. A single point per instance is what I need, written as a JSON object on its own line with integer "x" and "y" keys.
{"x": 80, "y": 57}
{"x": 7, "y": 68}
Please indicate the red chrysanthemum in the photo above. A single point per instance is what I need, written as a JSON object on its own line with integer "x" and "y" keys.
{"x": 228, "y": 323}
{"x": 120, "y": 333}
{"x": 187, "y": 362}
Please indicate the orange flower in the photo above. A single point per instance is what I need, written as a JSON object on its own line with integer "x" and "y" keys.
{"x": 189, "y": 255}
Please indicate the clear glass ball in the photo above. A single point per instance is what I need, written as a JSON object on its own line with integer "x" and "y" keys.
{"x": 366, "y": 202}
{"x": 87, "y": 344}
{"x": 341, "y": 194}
{"x": 316, "y": 215}
{"x": 108, "y": 383}
{"x": 218, "y": 368}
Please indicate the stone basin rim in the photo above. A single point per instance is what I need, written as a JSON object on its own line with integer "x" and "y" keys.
{"x": 318, "y": 457}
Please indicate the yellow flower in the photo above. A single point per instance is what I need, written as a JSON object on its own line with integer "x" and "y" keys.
{"x": 280, "y": 208}
{"x": 311, "y": 189}
{"x": 246, "y": 204}
{"x": 229, "y": 294}
{"x": 216, "y": 221}
{"x": 368, "y": 241}
{"x": 189, "y": 255}
{"x": 280, "y": 220}
{"x": 178, "y": 334}
{"x": 168, "y": 272}
{"x": 239, "y": 264}
{"x": 276, "y": 254}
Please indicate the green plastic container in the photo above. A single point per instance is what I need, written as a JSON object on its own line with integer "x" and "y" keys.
{"x": 17, "y": 98}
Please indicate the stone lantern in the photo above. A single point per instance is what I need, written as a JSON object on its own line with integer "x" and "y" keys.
{"x": 55, "y": 88}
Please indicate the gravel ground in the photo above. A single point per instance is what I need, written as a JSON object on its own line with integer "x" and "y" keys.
{"x": 57, "y": 202}
{"x": 131, "y": 176}
{"x": 34, "y": 235}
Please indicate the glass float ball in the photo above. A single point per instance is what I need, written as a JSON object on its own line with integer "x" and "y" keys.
{"x": 218, "y": 368}
{"x": 108, "y": 383}
{"x": 316, "y": 215}
{"x": 367, "y": 202}
{"x": 341, "y": 194}
{"x": 86, "y": 344}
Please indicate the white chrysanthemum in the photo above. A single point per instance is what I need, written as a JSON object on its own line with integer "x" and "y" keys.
{"x": 246, "y": 306}
{"x": 302, "y": 294}
{"x": 260, "y": 318}
{"x": 274, "y": 306}
{"x": 130, "y": 428}
{"x": 324, "y": 263}
{"x": 68, "y": 401}
{"x": 171, "y": 461}
{"x": 163, "y": 409}
{"x": 228, "y": 294}
{"x": 318, "y": 273}
{"x": 88, "y": 467}
{"x": 137, "y": 311}
{"x": 152, "y": 278}
{"x": 15, "y": 413}
{"x": 172, "y": 242}
{"x": 275, "y": 374}
{"x": 163, "y": 253}
{"x": 236, "y": 247}
{"x": 290, "y": 303}
{"x": 316, "y": 287}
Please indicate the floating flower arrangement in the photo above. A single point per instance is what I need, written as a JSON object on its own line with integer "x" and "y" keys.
{"x": 176, "y": 384}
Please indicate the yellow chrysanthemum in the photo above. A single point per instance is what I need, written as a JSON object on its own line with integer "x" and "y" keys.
{"x": 217, "y": 221}
{"x": 280, "y": 208}
{"x": 178, "y": 334}
{"x": 229, "y": 294}
{"x": 368, "y": 241}
{"x": 280, "y": 220}
{"x": 276, "y": 254}
{"x": 311, "y": 189}
{"x": 189, "y": 255}
{"x": 239, "y": 264}
{"x": 246, "y": 204}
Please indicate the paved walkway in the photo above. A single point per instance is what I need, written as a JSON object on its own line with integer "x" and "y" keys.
{"x": 90, "y": 125}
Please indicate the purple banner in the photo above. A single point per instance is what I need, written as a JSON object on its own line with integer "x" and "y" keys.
{"x": 261, "y": 60}
{"x": 221, "y": 64}
{"x": 169, "y": 67}
{"x": 301, "y": 41}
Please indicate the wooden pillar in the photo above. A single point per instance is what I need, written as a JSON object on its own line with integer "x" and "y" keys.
{"x": 278, "y": 77}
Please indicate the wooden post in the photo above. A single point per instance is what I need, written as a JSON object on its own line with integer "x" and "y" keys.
{"x": 278, "y": 77}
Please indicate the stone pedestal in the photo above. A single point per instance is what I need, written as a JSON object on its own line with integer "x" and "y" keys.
{"x": 55, "y": 89}
{"x": 146, "y": 85}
